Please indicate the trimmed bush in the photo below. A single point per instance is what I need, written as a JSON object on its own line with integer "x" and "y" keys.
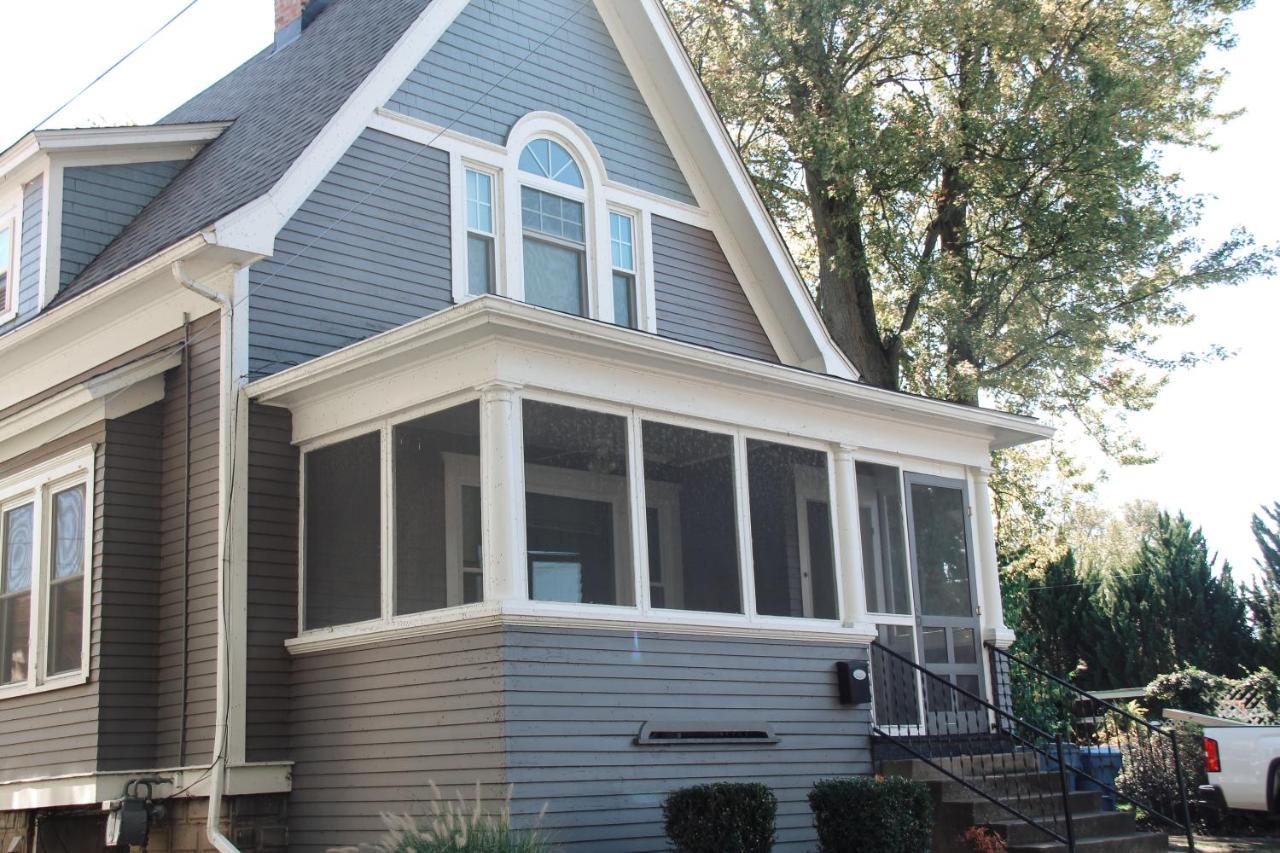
{"x": 887, "y": 815}
{"x": 727, "y": 817}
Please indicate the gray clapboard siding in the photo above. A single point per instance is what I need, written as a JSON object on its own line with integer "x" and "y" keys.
{"x": 372, "y": 727}
{"x": 367, "y": 252}
{"x": 469, "y": 82}
{"x": 699, "y": 299}
{"x": 199, "y": 558}
{"x": 27, "y": 296}
{"x": 575, "y": 701}
{"x": 130, "y": 546}
{"x": 273, "y": 580}
{"x": 99, "y": 202}
{"x": 56, "y": 733}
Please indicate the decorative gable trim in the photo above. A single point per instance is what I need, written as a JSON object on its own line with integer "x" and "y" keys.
{"x": 684, "y": 113}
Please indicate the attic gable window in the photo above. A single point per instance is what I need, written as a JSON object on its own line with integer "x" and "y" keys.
{"x": 551, "y": 160}
{"x": 554, "y": 221}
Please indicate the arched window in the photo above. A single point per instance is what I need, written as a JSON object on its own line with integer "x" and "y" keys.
{"x": 550, "y": 160}
{"x": 555, "y": 228}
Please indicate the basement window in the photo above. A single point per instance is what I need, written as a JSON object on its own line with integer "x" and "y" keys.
{"x": 684, "y": 733}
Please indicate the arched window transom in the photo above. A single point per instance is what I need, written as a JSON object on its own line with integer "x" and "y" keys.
{"x": 549, "y": 159}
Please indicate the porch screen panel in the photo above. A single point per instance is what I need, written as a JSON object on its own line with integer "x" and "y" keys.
{"x": 343, "y": 519}
{"x": 437, "y": 511}
{"x": 942, "y": 550}
{"x": 791, "y": 531}
{"x": 884, "y": 547}
{"x": 689, "y": 492}
{"x": 577, "y": 508}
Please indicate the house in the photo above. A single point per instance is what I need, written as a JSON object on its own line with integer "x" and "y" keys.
{"x": 433, "y": 400}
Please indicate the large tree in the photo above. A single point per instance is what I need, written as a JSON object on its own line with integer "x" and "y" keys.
{"x": 1264, "y": 594}
{"x": 976, "y": 186}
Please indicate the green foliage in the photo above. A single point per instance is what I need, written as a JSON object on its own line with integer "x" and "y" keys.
{"x": 888, "y": 815}
{"x": 1149, "y": 773}
{"x": 1187, "y": 689}
{"x": 721, "y": 818}
{"x": 1263, "y": 597}
{"x": 976, "y": 186}
{"x": 1172, "y": 609}
{"x": 459, "y": 826}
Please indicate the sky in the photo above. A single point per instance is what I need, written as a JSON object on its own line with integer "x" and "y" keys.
{"x": 1214, "y": 428}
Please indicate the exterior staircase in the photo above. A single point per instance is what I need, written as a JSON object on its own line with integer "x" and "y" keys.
{"x": 1016, "y": 780}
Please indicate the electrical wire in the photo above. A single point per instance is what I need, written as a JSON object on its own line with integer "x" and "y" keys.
{"x": 96, "y": 80}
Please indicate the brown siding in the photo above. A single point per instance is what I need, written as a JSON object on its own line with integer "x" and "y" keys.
{"x": 198, "y": 559}
{"x": 130, "y": 590}
{"x": 55, "y": 733}
{"x": 273, "y": 580}
{"x": 372, "y": 727}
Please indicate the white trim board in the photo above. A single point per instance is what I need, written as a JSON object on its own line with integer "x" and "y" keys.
{"x": 192, "y": 782}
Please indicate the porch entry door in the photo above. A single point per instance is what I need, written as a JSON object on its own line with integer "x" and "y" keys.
{"x": 948, "y": 634}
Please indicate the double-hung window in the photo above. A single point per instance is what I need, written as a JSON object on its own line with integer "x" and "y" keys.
{"x": 8, "y": 275}
{"x": 44, "y": 565}
{"x": 554, "y": 223}
{"x": 622, "y": 244}
{"x": 481, "y": 234}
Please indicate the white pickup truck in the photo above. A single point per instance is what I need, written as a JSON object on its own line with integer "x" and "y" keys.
{"x": 1242, "y": 762}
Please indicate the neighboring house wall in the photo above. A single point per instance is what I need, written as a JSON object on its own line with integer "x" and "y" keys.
{"x": 492, "y": 67}
{"x": 56, "y": 732}
{"x": 372, "y": 727}
{"x": 694, "y": 282}
{"x": 273, "y": 580}
{"x": 28, "y": 293}
{"x": 189, "y": 547}
{"x": 98, "y": 202}
{"x": 576, "y": 700}
{"x": 130, "y": 589}
{"x": 367, "y": 252}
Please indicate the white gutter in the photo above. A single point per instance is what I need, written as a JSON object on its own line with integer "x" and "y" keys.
{"x": 218, "y": 765}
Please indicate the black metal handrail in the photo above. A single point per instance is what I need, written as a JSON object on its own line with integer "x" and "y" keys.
{"x": 1180, "y": 818}
{"x": 956, "y": 698}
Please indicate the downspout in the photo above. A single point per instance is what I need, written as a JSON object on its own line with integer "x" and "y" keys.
{"x": 218, "y": 767}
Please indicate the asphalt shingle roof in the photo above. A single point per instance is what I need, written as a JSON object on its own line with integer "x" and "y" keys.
{"x": 277, "y": 102}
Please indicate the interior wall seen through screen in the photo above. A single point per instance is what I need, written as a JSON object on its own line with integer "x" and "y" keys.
{"x": 343, "y": 519}
{"x": 941, "y": 550}
{"x": 689, "y": 489}
{"x": 429, "y": 574}
{"x": 577, "y": 505}
{"x": 791, "y": 531}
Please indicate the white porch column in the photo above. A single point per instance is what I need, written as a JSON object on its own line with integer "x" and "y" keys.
{"x": 502, "y": 494}
{"x": 849, "y": 542}
{"x": 993, "y": 627}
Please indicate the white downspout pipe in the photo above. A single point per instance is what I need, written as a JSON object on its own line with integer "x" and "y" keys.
{"x": 218, "y": 766}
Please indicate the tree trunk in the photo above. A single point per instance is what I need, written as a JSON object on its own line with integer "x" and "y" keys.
{"x": 846, "y": 298}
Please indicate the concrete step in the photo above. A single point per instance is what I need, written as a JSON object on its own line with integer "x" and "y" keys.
{"x": 1098, "y": 824}
{"x": 970, "y": 765}
{"x": 1136, "y": 842}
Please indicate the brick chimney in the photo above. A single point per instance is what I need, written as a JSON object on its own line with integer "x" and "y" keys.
{"x": 293, "y": 16}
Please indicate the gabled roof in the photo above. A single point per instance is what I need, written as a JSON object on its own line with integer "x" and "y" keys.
{"x": 277, "y": 102}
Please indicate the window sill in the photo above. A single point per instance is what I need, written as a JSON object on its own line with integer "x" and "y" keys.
{"x": 58, "y": 682}
{"x": 535, "y": 614}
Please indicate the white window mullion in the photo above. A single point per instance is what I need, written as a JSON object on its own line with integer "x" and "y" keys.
{"x": 742, "y": 496}
{"x": 388, "y": 524}
{"x": 639, "y": 511}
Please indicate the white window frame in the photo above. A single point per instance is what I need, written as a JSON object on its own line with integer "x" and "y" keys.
{"x": 599, "y": 197}
{"x": 38, "y": 485}
{"x": 637, "y": 262}
{"x": 461, "y": 229}
{"x": 11, "y": 218}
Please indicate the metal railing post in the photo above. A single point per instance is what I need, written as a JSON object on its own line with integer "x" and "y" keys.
{"x": 1066, "y": 794}
{"x": 1182, "y": 790}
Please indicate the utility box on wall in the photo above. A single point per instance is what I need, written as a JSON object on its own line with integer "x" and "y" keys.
{"x": 853, "y": 680}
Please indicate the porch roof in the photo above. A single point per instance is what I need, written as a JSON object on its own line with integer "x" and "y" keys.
{"x": 488, "y": 319}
